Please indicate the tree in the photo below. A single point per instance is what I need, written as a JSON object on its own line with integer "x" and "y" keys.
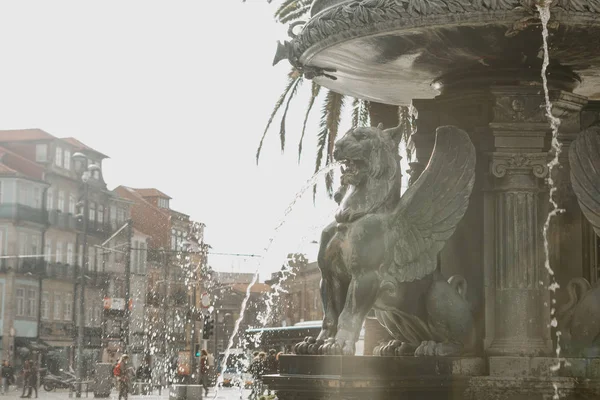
{"x": 332, "y": 107}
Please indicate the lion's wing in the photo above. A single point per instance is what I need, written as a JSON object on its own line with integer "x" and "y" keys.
{"x": 584, "y": 157}
{"x": 432, "y": 206}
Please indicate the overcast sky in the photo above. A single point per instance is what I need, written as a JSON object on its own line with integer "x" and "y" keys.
{"x": 177, "y": 93}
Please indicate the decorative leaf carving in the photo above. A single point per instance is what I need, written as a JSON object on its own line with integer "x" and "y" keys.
{"x": 360, "y": 13}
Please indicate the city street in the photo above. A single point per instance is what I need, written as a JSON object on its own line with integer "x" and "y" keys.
{"x": 223, "y": 394}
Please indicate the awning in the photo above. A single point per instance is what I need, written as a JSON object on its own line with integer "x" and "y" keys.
{"x": 60, "y": 343}
{"x": 32, "y": 344}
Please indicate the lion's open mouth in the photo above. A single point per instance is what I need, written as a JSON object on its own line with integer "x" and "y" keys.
{"x": 353, "y": 167}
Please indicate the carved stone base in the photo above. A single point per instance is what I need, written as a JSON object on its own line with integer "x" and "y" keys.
{"x": 455, "y": 378}
{"x": 373, "y": 378}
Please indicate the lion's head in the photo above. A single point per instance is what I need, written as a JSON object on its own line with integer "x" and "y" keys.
{"x": 371, "y": 173}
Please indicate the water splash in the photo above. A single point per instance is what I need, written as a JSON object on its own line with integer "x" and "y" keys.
{"x": 543, "y": 8}
{"x": 308, "y": 185}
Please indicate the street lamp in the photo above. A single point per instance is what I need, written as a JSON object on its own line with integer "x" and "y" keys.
{"x": 85, "y": 177}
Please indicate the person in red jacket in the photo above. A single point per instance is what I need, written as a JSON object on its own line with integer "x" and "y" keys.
{"x": 121, "y": 372}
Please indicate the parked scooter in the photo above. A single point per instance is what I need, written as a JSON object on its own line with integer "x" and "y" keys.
{"x": 51, "y": 382}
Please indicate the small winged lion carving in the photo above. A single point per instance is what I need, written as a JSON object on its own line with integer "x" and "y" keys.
{"x": 381, "y": 251}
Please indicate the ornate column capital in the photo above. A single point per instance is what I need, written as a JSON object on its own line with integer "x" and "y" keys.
{"x": 504, "y": 164}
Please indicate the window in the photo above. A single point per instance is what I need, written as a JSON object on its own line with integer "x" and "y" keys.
{"x": 35, "y": 246}
{"x": 70, "y": 248}
{"x": 120, "y": 216}
{"x": 57, "y": 307}
{"x": 92, "y": 212}
{"x": 20, "y": 302}
{"x": 111, "y": 260}
{"x": 48, "y": 250}
{"x": 1, "y": 199}
{"x": 23, "y": 244}
{"x": 91, "y": 258}
{"x": 59, "y": 252}
{"x": 163, "y": 203}
{"x": 80, "y": 256}
{"x": 31, "y": 310}
{"x": 61, "y": 200}
{"x": 37, "y": 198}
{"x": 67, "y": 159}
{"x": 143, "y": 256}
{"x": 72, "y": 203}
{"x": 58, "y": 158}
{"x": 50, "y": 199}
{"x": 99, "y": 256}
{"x": 113, "y": 214}
{"x": 45, "y": 305}
{"x": 173, "y": 239}
{"x": 41, "y": 152}
{"x": 135, "y": 257}
{"x": 68, "y": 307}
{"x": 100, "y": 214}
{"x": 23, "y": 193}
{"x": 96, "y": 175}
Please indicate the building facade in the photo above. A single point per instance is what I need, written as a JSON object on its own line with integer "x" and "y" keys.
{"x": 297, "y": 293}
{"x": 174, "y": 256}
{"x": 42, "y": 245}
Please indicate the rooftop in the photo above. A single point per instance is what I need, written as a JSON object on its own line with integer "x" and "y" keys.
{"x": 22, "y": 135}
{"x": 79, "y": 146}
{"x": 151, "y": 192}
{"x": 15, "y": 165}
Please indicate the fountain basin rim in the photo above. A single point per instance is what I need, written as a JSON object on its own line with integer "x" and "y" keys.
{"x": 322, "y": 38}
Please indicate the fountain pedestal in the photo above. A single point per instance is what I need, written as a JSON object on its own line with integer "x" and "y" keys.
{"x": 474, "y": 64}
{"x": 373, "y": 378}
{"x": 433, "y": 378}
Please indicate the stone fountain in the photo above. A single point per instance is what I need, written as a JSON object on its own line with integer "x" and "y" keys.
{"x": 455, "y": 268}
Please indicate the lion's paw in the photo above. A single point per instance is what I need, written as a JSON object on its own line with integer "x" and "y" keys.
{"x": 345, "y": 341}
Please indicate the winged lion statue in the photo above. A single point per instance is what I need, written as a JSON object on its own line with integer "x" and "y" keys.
{"x": 381, "y": 251}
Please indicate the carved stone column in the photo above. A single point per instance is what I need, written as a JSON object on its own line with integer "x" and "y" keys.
{"x": 517, "y": 313}
{"x": 516, "y": 283}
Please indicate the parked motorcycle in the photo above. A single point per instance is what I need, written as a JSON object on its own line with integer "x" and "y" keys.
{"x": 51, "y": 382}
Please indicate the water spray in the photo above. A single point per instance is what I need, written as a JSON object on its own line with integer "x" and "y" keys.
{"x": 543, "y": 7}
{"x": 308, "y": 185}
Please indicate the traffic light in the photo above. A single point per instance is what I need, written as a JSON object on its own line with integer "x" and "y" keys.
{"x": 197, "y": 349}
{"x": 209, "y": 325}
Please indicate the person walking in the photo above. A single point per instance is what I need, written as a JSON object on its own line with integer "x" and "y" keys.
{"x": 144, "y": 376}
{"x": 33, "y": 383}
{"x": 26, "y": 377}
{"x": 257, "y": 369}
{"x": 122, "y": 373}
{"x": 271, "y": 366}
{"x": 7, "y": 375}
{"x": 204, "y": 371}
{"x": 211, "y": 368}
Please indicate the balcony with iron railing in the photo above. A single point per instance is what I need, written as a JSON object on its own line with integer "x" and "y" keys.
{"x": 61, "y": 220}
{"x": 61, "y": 271}
{"x": 20, "y": 212}
{"x": 30, "y": 265}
